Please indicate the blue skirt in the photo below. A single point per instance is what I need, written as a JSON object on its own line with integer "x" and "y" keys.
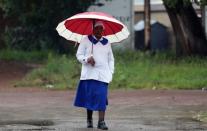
{"x": 92, "y": 95}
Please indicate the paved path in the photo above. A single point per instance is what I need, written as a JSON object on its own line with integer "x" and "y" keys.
{"x": 28, "y": 109}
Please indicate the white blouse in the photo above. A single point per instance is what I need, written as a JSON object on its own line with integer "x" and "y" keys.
{"x": 104, "y": 61}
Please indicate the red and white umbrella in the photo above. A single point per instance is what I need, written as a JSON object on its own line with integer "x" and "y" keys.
{"x": 80, "y": 25}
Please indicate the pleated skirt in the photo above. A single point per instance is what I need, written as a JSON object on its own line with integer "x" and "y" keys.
{"x": 92, "y": 95}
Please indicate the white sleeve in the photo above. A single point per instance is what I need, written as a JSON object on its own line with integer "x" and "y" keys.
{"x": 111, "y": 60}
{"x": 81, "y": 52}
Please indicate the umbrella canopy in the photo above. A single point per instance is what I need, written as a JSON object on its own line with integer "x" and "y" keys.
{"x": 80, "y": 25}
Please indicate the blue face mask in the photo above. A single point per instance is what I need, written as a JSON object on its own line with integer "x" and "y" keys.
{"x": 103, "y": 41}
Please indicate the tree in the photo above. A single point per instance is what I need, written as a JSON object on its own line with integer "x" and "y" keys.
{"x": 190, "y": 35}
{"x": 147, "y": 25}
{"x": 32, "y": 23}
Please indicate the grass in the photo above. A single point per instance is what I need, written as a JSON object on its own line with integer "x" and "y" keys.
{"x": 60, "y": 72}
{"x": 30, "y": 56}
{"x": 132, "y": 70}
{"x": 137, "y": 70}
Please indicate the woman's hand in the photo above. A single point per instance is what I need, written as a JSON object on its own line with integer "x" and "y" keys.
{"x": 91, "y": 60}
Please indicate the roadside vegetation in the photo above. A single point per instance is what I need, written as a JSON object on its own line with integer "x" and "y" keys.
{"x": 24, "y": 56}
{"x": 133, "y": 70}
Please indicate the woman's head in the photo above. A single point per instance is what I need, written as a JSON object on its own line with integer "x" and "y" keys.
{"x": 98, "y": 29}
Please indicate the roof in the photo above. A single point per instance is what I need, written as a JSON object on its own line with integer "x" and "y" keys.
{"x": 140, "y": 25}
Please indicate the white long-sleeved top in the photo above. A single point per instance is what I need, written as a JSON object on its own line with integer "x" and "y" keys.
{"x": 104, "y": 61}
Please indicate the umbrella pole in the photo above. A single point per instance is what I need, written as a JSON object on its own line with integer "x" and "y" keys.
{"x": 92, "y": 43}
{"x": 92, "y": 50}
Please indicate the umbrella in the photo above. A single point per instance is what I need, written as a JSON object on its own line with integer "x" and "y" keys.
{"x": 80, "y": 25}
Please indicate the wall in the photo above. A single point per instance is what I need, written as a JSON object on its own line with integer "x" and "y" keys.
{"x": 162, "y": 17}
{"x": 123, "y": 11}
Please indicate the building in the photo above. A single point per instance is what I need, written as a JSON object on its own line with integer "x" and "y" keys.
{"x": 159, "y": 14}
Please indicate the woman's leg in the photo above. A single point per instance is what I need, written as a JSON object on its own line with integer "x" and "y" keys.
{"x": 101, "y": 115}
{"x": 89, "y": 118}
{"x": 89, "y": 114}
{"x": 101, "y": 122}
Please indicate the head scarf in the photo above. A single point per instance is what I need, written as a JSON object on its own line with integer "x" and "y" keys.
{"x": 99, "y": 23}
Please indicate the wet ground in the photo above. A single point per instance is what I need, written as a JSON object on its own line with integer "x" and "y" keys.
{"x": 128, "y": 110}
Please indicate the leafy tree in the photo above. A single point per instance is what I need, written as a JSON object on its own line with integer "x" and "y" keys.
{"x": 190, "y": 35}
{"x": 32, "y": 23}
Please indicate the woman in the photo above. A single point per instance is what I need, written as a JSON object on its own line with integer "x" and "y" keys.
{"x": 96, "y": 56}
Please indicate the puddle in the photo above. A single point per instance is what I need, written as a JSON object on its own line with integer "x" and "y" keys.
{"x": 27, "y": 125}
{"x": 28, "y": 122}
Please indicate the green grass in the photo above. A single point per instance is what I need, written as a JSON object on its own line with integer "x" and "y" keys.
{"x": 30, "y": 56}
{"x": 60, "y": 72}
{"x": 132, "y": 70}
{"x": 137, "y": 70}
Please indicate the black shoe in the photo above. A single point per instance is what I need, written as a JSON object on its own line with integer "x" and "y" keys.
{"x": 89, "y": 123}
{"x": 102, "y": 125}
